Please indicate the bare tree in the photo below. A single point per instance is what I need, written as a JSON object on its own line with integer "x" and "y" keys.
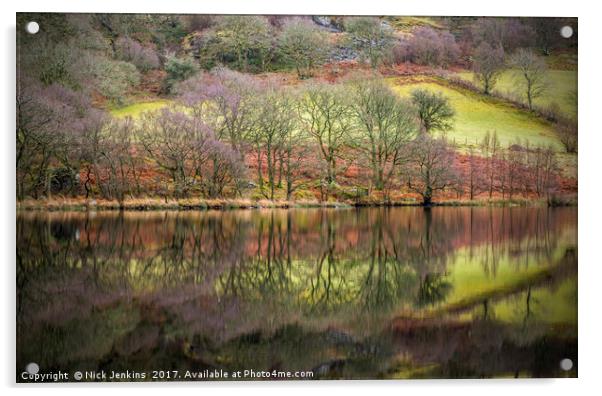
{"x": 38, "y": 124}
{"x": 276, "y": 120}
{"x": 53, "y": 125}
{"x": 386, "y": 123}
{"x": 544, "y": 170}
{"x": 531, "y": 73}
{"x": 89, "y": 151}
{"x": 225, "y": 168}
{"x": 295, "y": 153}
{"x": 224, "y": 99}
{"x": 474, "y": 177}
{"x": 488, "y": 65}
{"x": 516, "y": 156}
{"x": 490, "y": 147}
{"x": 117, "y": 157}
{"x": 178, "y": 143}
{"x": 325, "y": 115}
{"x": 431, "y": 166}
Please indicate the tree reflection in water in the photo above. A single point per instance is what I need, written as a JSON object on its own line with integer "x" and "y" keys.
{"x": 353, "y": 293}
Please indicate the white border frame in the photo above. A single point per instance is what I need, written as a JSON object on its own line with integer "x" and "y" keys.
{"x": 589, "y": 166}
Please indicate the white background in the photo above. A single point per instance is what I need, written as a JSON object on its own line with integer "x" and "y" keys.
{"x": 590, "y": 179}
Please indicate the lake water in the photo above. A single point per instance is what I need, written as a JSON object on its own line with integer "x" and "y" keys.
{"x": 342, "y": 293}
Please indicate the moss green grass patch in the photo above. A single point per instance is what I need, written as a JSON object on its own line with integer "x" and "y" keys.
{"x": 136, "y": 109}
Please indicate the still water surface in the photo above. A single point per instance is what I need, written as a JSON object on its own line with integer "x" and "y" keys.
{"x": 343, "y": 293}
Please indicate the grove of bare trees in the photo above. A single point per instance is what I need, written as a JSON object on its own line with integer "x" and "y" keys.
{"x": 229, "y": 132}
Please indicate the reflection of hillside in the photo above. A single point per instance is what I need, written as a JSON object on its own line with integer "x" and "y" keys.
{"x": 314, "y": 260}
{"x": 207, "y": 278}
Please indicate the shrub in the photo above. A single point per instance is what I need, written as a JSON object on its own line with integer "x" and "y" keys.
{"x": 427, "y": 46}
{"x": 115, "y": 78}
{"x": 143, "y": 58}
{"x": 567, "y": 130}
{"x": 63, "y": 180}
{"x": 508, "y": 33}
{"x": 399, "y": 52}
{"x": 198, "y": 22}
{"x": 370, "y": 38}
{"x": 552, "y": 112}
{"x": 303, "y": 45}
{"x": 245, "y": 40}
{"x": 179, "y": 69}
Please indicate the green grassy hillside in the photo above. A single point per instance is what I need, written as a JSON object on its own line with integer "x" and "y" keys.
{"x": 476, "y": 114}
{"x": 562, "y": 84}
